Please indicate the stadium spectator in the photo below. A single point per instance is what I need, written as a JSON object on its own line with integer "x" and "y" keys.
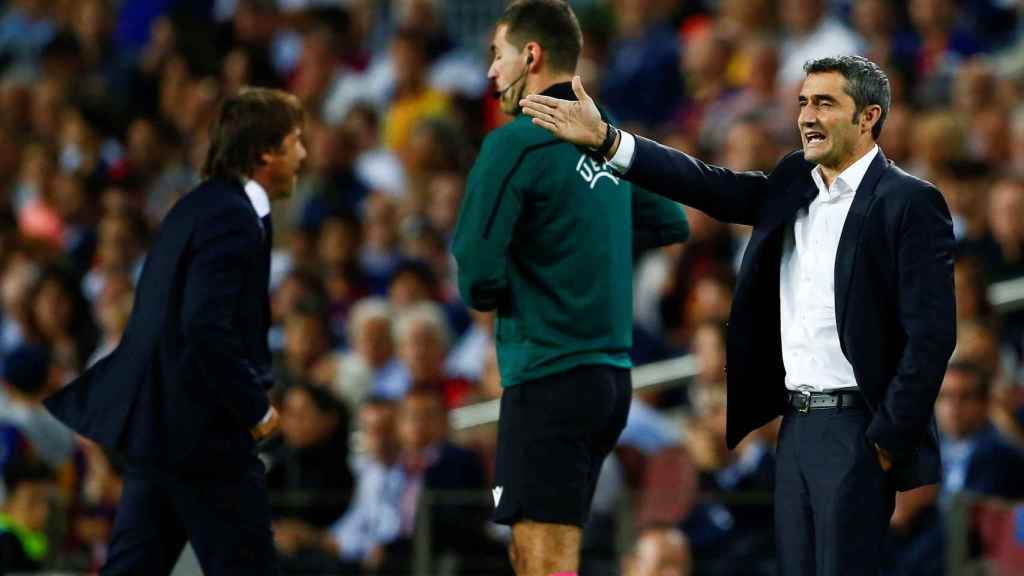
{"x": 356, "y": 538}
{"x": 24, "y": 514}
{"x": 309, "y": 479}
{"x": 423, "y": 340}
{"x": 659, "y": 552}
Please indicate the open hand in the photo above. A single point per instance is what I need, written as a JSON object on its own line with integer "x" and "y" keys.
{"x": 577, "y": 122}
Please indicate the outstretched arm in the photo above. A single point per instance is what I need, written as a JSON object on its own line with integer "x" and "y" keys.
{"x": 723, "y": 194}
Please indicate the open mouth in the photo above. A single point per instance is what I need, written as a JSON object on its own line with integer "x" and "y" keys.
{"x": 812, "y": 137}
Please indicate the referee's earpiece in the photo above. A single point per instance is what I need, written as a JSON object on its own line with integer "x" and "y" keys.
{"x": 529, "y": 59}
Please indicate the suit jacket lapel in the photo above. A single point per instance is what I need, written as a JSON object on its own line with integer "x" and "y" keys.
{"x": 846, "y": 254}
{"x": 799, "y": 194}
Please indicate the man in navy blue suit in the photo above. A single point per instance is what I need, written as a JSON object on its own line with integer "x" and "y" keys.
{"x": 184, "y": 396}
{"x": 843, "y": 319}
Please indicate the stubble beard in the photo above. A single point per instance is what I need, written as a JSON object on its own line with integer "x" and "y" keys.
{"x": 511, "y": 97}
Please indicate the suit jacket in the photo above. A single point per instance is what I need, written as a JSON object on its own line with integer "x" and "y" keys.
{"x": 893, "y": 292}
{"x": 456, "y": 526}
{"x": 456, "y": 470}
{"x": 459, "y": 527}
{"x": 193, "y": 362}
{"x": 995, "y": 467}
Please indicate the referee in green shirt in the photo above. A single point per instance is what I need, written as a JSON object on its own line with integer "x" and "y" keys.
{"x": 546, "y": 237}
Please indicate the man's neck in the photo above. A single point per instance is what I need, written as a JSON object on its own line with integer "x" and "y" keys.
{"x": 539, "y": 83}
{"x": 263, "y": 181}
{"x": 829, "y": 174}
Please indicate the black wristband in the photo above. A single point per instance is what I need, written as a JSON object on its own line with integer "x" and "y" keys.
{"x": 609, "y": 139}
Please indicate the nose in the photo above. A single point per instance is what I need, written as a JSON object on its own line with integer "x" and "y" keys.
{"x": 807, "y": 117}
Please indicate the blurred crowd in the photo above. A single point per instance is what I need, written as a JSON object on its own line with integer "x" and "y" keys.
{"x": 105, "y": 107}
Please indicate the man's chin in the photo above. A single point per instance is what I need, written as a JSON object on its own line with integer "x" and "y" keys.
{"x": 510, "y": 101}
{"x": 285, "y": 191}
{"x": 812, "y": 154}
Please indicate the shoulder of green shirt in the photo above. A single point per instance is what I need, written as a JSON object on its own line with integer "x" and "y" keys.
{"x": 520, "y": 132}
{"x": 505, "y": 150}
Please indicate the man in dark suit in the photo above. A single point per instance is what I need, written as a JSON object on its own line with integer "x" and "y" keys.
{"x": 183, "y": 397}
{"x": 843, "y": 318}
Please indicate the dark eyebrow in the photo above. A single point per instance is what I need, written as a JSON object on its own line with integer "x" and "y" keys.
{"x": 817, "y": 98}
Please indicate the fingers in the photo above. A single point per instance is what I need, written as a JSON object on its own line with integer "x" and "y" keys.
{"x": 545, "y": 117}
{"x": 577, "y": 87}
{"x": 536, "y": 108}
{"x": 543, "y": 100}
{"x": 541, "y": 112}
{"x": 542, "y": 115}
{"x": 549, "y": 126}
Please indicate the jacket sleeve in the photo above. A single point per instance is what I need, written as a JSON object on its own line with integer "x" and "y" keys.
{"x": 657, "y": 221}
{"x": 733, "y": 197}
{"x": 210, "y": 308}
{"x": 486, "y": 224}
{"x": 927, "y": 315}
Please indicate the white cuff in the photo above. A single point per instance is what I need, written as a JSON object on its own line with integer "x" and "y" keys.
{"x": 623, "y": 157}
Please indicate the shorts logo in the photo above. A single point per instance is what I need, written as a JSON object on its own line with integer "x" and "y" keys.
{"x": 592, "y": 171}
{"x": 496, "y": 492}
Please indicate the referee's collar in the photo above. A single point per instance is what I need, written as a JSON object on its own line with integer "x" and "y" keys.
{"x": 562, "y": 90}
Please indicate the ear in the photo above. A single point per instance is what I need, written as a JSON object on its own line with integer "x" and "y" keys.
{"x": 268, "y": 156}
{"x": 534, "y": 55}
{"x": 869, "y": 116}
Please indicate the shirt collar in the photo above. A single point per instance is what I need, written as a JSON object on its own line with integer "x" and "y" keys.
{"x": 258, "y": 196}
{"x": 850, "y": 178}
{"x": 561, "y": 90}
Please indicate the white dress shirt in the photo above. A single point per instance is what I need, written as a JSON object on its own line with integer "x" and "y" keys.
{"x": 374, "y": 518}
{"x": 258, "y": 196}
{"x": 811, "y": 352}
{"x": 623, "y": 157}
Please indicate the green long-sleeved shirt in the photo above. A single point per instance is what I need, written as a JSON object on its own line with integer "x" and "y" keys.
{"x": 545, "y": 237}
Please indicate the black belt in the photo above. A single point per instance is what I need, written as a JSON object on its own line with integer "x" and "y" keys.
{"x": 804, "y": 401}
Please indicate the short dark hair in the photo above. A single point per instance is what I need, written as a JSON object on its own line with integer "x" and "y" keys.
{"x": 27, "y": 368}
{"x": 24, "y": 469}
{"x": 251, "y": 123}
{"x": 866, "y": 83}
{"x": 417, "y": 268}
{"x": 550, "y": 23}
{"x": 982, "y": 378}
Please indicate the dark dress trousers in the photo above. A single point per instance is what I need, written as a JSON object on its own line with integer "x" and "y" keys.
{"x": 178, "y": 396}
{"x": 896, "y": 322}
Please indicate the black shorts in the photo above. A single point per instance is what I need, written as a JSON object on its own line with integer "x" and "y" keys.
{"x": 553, "y": 435}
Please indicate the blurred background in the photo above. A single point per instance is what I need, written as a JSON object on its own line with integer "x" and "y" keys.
{"x": 385, "y": 381}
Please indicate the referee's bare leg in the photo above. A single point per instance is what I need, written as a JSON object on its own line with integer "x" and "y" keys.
{"x": 542, "y": 549}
